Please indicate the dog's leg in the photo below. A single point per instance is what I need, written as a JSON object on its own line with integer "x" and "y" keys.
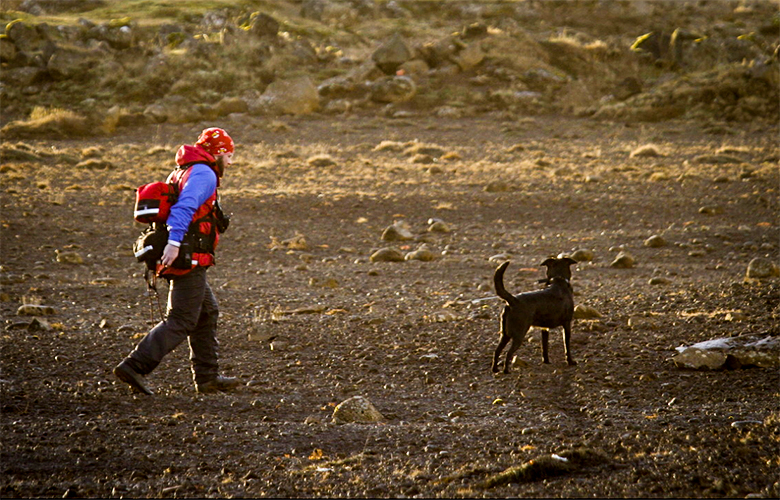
{"x": 503, "y": 342}
{"x": 517, "y": 339}
{"x": 566, "y": 343}
{"x": 545, "y": 346}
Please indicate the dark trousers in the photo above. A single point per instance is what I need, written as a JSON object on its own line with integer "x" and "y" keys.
{"x": 192, "y": 314}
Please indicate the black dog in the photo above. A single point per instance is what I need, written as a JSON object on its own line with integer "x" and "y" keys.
{"x": 548, "y": 308}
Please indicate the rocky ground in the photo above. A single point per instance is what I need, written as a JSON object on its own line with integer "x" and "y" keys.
{"x": 309, "y": 321}
{"x": 657, "y": 167}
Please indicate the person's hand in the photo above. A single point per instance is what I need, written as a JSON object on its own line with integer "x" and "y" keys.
{"x": 169, "y": 254}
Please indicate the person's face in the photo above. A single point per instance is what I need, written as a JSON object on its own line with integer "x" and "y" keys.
{"x": 224, "y": 160}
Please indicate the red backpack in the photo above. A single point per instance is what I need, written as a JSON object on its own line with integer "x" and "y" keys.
{"x": 153, "y": 202}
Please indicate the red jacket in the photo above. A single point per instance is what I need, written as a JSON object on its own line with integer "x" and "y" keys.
{"x": 203, "y": 225}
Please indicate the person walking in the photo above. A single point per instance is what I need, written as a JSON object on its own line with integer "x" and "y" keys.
{"x": 194, "y": 224}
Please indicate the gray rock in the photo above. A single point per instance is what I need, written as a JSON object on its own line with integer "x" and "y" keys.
{"x": 262, "y": 25}
{"x": 468, "y": 57}
{"x": 69, "y": 257}
{"x": 387, "y": 255}
{"x": 762, "y": 268}
{"x": 25, "y": 36}
{"x": 583, "y": 255}
{"x": 439, "y": 226}
{"x": 655, "y": 241}
{"x": 8, "y": 50}
{"x": 358, "y": 410}
{"x": 295, "y": 96}
{"x": 68, "y": 63}
{"x": 397, "y": 232}
{"x": 423, "y": 254}
{"x": 623, "y": 260}
{"x": 393, "y": 89}
{"x": 392, "y": 54}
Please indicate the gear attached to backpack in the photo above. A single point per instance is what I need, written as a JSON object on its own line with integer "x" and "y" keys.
{"x": 153, "y": 202}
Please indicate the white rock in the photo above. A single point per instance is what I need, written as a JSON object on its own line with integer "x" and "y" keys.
{"x": 731, "y": 352}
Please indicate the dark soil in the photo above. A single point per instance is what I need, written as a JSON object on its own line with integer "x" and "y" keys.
{"x": 407, "y": 336}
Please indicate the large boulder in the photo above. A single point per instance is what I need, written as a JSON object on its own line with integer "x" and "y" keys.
{"x": 392, "y": 54}
{"x": 263, "y": 26}
{"x": 296, "y": 96}
{"x": 25, "y": 36}
{"x": 72, "y": 62}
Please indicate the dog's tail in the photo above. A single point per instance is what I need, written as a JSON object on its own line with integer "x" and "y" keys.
{"x": 498, "y": 281}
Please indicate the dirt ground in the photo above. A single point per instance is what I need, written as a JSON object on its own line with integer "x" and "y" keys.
{"x": 306, "y": 328}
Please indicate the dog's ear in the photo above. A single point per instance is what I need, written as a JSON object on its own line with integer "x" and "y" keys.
{"x": 569, "y": 260}
{"x": 548, "y": 262}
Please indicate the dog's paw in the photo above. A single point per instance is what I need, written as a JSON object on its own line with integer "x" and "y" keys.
{"x": 571, "y": 362}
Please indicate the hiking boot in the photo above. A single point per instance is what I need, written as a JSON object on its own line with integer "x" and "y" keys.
{"x": 217, "y": 384}
{"x": 126, "y": 374}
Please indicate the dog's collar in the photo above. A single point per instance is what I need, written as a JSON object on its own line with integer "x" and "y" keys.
{"x": 547, "y": 281}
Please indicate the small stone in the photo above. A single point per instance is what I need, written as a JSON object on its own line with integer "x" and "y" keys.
{"x": 35, "y": 310}
{"x": 421, "y": 159}
{"x": 719, "y": 159}
{"x": 95, "y": 164}
{"x": 499, "y": 258}
{"x": 646, "y": 151}
{"x": 357, "y": 409}
{"x": 657, "y": 280}
{"x": 423, "y": 254}
{"x": 497, "y": 187}
{"x": 321, "y": 161}
{"x": 279, "y": 345}
{"x": 655, "y": 241}
{"x": 69, "y": 257}
{"x": 387, "y": 255}
{"x": 623, "y": 260}
{"x": 397, "y": 232}
{"x": 582, "y": 255}
{"x": 585, "y": 312}
{"x": 762, "y": 268}
{"x": 439, "y": 227}
{"x": 711, "y": 210}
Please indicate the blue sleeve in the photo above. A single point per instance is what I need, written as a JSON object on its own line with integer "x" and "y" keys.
{"x": 199, "y": 187}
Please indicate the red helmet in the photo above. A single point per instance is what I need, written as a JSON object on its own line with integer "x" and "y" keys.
{"x": 216, "y": 141}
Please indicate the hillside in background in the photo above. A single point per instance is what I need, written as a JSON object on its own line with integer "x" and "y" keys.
{"x": 123, "y": 63}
